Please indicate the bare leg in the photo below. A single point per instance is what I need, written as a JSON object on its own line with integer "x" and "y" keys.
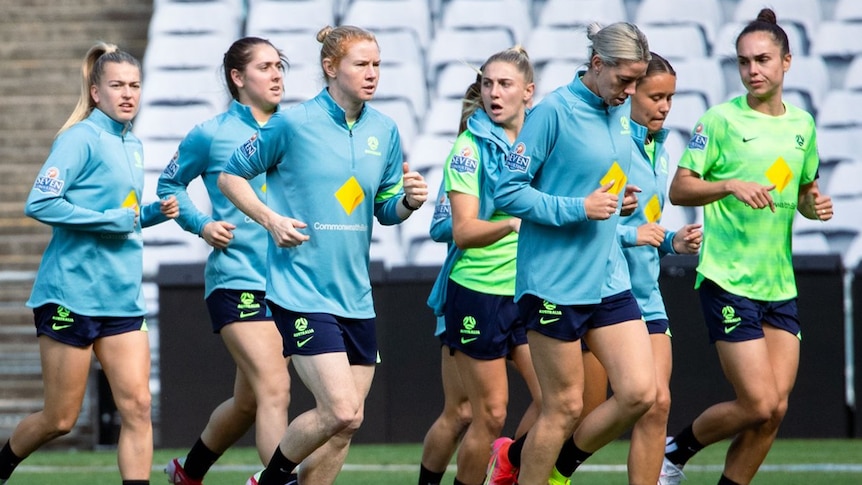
{"x": 595, "y": 383}
{"x": 524, "y": 363}
{"x": 443, "y": 436}
{"x": 324, "y": 464}
{"x": 487, "y": 388}
{"x": 64, "y": 374}
{"x": 261, "y": 390}
{"x": 748, "y": 368}
{"x": 561, "y": 375}
{"x": 624, "y": 350}
{"x": 125, "y": 358}
{"x": 751, "y": 446}
{"x": 648, "y": 435}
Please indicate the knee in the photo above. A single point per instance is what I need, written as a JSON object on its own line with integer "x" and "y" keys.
{"x": 135, "y": 408}
{"x": 62, "y": 424}
{"x": 460, "y": 416}
{"x": 569, "y": 406}
{"x": 764, "y": 411}
{"x": 639, "y": 400}
{"x": 345, "y": 417}
{"x": 493, "y": 416}
{"x": 661, "y": 405}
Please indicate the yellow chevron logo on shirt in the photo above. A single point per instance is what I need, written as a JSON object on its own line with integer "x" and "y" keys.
{"x": 615, "y": 174}
{"x": 779, "y": 174}
{"x": 131, "y": 201}
{"x": 652, "y": 210}
{"x": 350, "y": 195}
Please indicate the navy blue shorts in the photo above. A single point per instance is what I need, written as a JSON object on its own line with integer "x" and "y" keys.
{"x": 63, "y": 325}
{"x": 659, "y": 325}
{"x": 322, "y": 333}
{"x": 571, "y": 322}
{"x": 734, "y": 318}
{"x": 229, "y": 306}
{"x": 482, "y": 326}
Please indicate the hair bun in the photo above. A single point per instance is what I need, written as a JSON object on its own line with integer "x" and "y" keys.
{"x": 593, "y": 29}
{"x": 322, "y": 33}
{"x": 767, "y": 15}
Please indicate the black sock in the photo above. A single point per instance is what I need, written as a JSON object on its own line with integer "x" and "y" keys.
{"x": 455, "y": 481}
{"x": 8, "y": 461}
{"x": 199, "y": 460}
{"x": 427, "y": 477}
{"x": 682, "y": 447}
{"x": 726, "y": 481}
{"x": 515, "y": 449}
{"x": 136, "y": 482}
{"x": 279, "y": 469}
{"x": 570, "y": 458}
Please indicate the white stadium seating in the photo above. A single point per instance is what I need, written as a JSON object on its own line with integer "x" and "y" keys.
{"x": 430, "y": 50}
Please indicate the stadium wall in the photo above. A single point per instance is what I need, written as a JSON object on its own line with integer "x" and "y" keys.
{"x": 197, "y": 373}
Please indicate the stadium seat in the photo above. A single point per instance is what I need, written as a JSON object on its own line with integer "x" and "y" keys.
{"x": 400, "y": 110}
{"x": 430, "y": 151}
{"x": 841, "y": 108}
{"x": 386, "y": 245}
{"x": 676, "y": 41}
{"x": 848, "y": 11}
{"x": 842, "y": 231}
{"x": 169, "y": 121}
{"x": 302, "y": 82}
{"x": 810, "y": 243}
{"x": 473, "y": 46}
{"x": 158, "y": 153}
{"x": 835, "y": 42}
{"x": 415, "y": 230}
{"x": 201, "y": 51}
{"x": 553, "y": 75}
{"x": 185, "y": 85}
{"x": 399, "y": 46}
{"x": 172, "y": 18}
{"x": 846, "y": 180}
{"x": 838, "y": 143}
{"x": 454, "y": 79}
{"x": 386, "y": 15}
{"x": 853, "y": 79}
{"x": 804, "y": 15}
{"x": 675, "y": 144}
{"x": 510, "y": 15}
{"x": 443, "y": 117}
{"x": 725, "y": 42}
{"x": 549, "y": 44}
{"x": 809, "y": 77}
{"x": 580, "y": 13}
{"x": 702, "y": 76}
{"x": 686, "y": 110}
{"x": 297, "y": 15}
{"x": 706, "y": 15}
{"x": 405, "y": 81}
{"x": 300, "y": 47}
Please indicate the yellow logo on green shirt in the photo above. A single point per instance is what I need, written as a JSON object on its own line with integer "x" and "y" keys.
{"x": 350, "y": 195}
{"x": 779, "y": 174}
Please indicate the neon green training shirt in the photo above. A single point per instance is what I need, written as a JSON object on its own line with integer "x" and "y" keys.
{"x": 490, "y": 269}
{"x": 747, "y": 251}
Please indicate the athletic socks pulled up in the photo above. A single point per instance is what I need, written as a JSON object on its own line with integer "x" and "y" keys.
{"x": 682, "y": 447}
{"x": 427, "y": 477}
{"x": 8, "y": 461}
{"x": 199, "y": 460}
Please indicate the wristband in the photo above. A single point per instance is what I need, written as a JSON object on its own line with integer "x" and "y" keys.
{"x": 407, "y": 206}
